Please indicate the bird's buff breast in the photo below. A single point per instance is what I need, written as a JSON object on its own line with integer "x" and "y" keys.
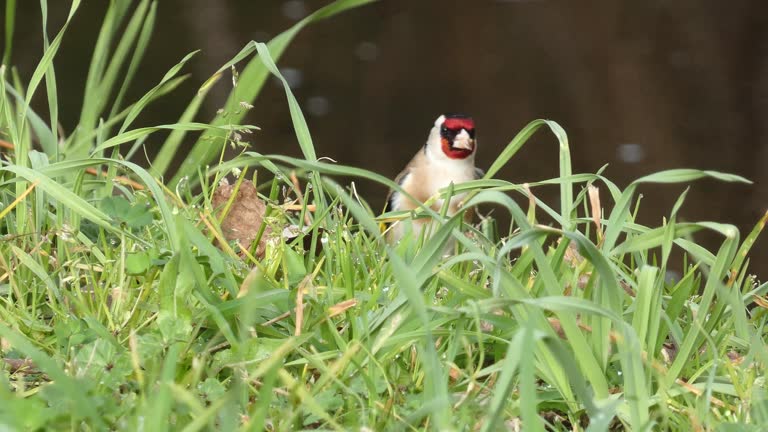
{"x": 442, "y": 178}
{"x": 425, "y": 185}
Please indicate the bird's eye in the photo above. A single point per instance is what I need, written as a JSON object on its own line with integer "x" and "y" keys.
{"x": 443, "y": 129}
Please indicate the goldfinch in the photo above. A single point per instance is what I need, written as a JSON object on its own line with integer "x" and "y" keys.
{"x": 447, "y": 157}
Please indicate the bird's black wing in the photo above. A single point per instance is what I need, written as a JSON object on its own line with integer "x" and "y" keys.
{"x": 389, "y": 205}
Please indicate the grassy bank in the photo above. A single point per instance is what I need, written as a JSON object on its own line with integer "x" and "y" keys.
{"x": 129, "y": 302}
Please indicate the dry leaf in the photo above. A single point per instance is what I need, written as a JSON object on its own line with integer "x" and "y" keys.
{"x": 21, "y": 365}
{"x": 454, "y": 374}
{"x": 572, "y": 255}
{"x": 735, "y": 357}
{"x": 340, "y": 308}
{"x": 761, "y": 301}
{"x": 669, "y": 352}
{"x": 245, "y": 216}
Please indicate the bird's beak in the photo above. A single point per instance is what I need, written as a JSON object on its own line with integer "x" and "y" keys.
{"x": 463, "y": 141}
{"x": 466, "y": 144}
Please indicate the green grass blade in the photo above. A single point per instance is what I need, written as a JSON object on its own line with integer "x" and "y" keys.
{"x": 170, "y": 147}
{"x": 132, "y": 135}
{"x": 250, "y": 84}
{"x": 62, "y": 168}
{"x": 40, "y": 272}
{"x": 144, "y": 101}
{"x": 79, "y": 404}
{"x": 647, "y": 306}
{"x": 50, "y": 85}
{"x": 687, "y": 175}
{"x": 10, "y": 19}
{"x": 299, "y": 123}
{"x": 714, "y": 282}
{"x": 515, "y": 350}
{"x": 528, "y": 399}
{"x": 46, "y": 62}
{"x": 139, "y": 27}
{"x": 40, "y": 128}
{"x": 749, "y": 241}
{"x": 90, "y": 113}
{"x": 68, "y": 198}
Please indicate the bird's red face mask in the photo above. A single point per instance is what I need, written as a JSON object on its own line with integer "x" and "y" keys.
{"x": 457, "y": 137}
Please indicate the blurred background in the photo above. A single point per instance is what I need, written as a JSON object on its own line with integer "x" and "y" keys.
{"x": 641, "y": 86}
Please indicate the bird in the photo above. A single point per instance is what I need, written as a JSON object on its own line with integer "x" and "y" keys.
{"x": 448, "y": 156}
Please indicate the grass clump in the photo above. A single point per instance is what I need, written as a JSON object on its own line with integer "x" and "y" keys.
{"x": 118, "y": 310}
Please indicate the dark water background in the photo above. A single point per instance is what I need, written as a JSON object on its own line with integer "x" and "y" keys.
{"x": 642, "y": 86}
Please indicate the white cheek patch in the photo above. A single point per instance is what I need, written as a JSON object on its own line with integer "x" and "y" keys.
{"x": 440, "y": 121}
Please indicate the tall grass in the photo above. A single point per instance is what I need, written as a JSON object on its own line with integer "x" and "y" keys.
{"x": 118, "y": 312}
